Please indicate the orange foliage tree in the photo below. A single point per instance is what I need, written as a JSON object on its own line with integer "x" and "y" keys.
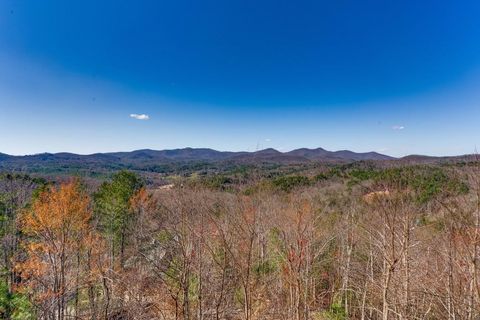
{"x": 58, "y": 242}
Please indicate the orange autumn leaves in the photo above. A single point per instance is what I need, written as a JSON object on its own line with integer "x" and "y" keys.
{"x": 64, "y": 254}
{"x": 58, "y": 240}
{"x": 59, "y": 214}
{"x": 57, "y": 234}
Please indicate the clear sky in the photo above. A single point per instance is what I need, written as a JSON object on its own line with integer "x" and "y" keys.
{"x": 397, "y": 77}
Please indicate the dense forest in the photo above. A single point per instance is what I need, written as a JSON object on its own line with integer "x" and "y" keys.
{"x": 348, "y": 241}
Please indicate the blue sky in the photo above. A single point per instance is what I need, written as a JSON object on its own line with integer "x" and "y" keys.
{"x": 398, "y": 77}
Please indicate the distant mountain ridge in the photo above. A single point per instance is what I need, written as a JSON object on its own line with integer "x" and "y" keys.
{"x": 167, "y": 160}
{"x": 158, "y": 160}
{"x": 321, "y": 154}
{"x": 200, "y": 154}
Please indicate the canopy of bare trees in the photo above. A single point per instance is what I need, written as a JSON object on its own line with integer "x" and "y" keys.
{"x": 387, "y": 248}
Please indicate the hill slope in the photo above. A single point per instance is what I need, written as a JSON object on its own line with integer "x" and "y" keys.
{"x": 149, "y": 160}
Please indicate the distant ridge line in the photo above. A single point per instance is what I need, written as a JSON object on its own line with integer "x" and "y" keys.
{"x": 301, "y": 154}
{"x": 161, "y": 160}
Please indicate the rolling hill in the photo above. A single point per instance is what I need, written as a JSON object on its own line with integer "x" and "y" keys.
{"x": 185, "y": 160}
{"x": 150, "y": 157}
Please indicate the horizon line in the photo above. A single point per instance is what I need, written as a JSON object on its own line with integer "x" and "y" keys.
{"x": 240, "y": 151}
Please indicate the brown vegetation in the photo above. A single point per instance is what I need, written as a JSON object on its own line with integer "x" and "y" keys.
{"x": 323, "y": 250}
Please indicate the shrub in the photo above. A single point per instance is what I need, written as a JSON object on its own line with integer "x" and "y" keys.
{"x": 289, "y": 183}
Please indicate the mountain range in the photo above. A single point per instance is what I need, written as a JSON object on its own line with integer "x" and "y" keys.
{"x": 158, "y": 160}
{"x": 195, "y": 154}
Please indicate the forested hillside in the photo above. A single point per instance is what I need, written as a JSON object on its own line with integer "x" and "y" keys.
{"x": 339, "y": 242}
{"x": 161, "y": 162}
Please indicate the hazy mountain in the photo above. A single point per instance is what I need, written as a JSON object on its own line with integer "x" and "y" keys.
{"x": 416, "y": 159}
{"x": 147, "y": 159}
{"x": 268, "y": 155}
{"x": 322, "y": 154}
{"x": 310, "y": 153}
{"x": 350, "y": 155}
{"x": 184, "y": 154}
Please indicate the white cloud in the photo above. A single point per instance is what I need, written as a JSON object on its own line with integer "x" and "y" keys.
{"x": 139, "y": 116}
{"x": 268, "y": 140}
{"x": 398, "y": 127}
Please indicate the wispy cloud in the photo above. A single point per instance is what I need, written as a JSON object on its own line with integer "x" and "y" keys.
{"x": 398, "y": 127}
{"x": 268, "y": 140}
{"x": 139, "y": 116}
